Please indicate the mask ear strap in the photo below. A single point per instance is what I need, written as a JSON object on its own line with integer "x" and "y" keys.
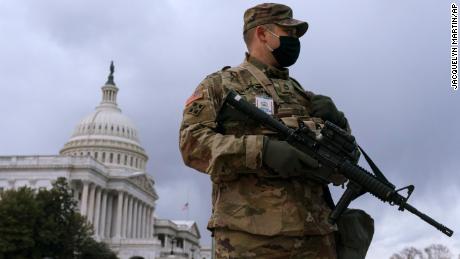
{"x": 268, "y": 47}
{"x": 272, "y": 33}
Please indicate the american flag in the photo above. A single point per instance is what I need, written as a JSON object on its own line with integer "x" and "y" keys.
{"x": 185, "y": 207}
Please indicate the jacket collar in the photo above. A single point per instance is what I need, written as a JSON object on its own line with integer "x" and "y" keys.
{"x": 270, "y": 71}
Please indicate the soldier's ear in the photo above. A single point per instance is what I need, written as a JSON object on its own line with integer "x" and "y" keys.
{"x": 261, "y": 34}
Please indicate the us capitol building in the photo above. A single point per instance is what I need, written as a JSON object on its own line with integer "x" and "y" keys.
{"x": 105, "y": 164}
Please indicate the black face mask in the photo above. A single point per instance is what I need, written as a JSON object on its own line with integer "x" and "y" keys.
{"x": 288, "y": 51}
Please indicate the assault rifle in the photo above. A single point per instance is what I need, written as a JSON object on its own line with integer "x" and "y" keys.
{"x": 336, "y": 149}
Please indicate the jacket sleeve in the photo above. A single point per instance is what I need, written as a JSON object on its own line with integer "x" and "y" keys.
{"x": 206, "y": 150}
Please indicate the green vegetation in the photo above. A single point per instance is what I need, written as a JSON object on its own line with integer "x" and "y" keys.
{"x": 46, "y": 224}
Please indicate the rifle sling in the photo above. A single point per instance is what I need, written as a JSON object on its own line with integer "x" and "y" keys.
{"x": 263, "y": 80}
{"x": 374, "y": 167}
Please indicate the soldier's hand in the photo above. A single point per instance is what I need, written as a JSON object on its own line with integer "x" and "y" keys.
{"x": 324, "y": 108}
{"x": 286, "y": 160}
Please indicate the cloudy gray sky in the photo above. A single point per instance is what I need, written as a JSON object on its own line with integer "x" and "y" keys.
{"x": 385, "y": 63}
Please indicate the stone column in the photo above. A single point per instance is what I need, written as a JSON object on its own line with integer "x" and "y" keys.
{"x": 143, "y": 221}
{"x": 138, "y": 223}
{"x": 119, "y": 215}
{"x": 75, "y": 193}
{"x": 124, "y": 218}
{"x": 84, "y": 199}
{"x": 103, "y": 214}
{"x": 109, "y": 215}
{"x": 139, "y": 228}
{"x": 151, "y": 223}
{"x": 147, "y": 231}
{"x": 92, "y": 191}
{"x": 97, "y": 212}
{"x": 136, "y": 206}
{"x": 130, "y": 217}
{"x": 146, "y": 221}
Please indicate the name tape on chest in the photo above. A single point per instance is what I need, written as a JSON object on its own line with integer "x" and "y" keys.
{"x": 265, "y": 104}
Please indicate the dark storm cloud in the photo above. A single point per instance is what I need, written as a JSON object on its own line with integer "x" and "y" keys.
{"x": 385, "y": 63}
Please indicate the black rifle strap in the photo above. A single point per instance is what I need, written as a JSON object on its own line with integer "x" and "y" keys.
{"x": 328, "y": 197}
{"x": 373, "y": 166}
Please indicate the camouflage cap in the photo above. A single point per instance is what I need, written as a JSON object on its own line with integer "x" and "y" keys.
{"x": 278, "y": 14}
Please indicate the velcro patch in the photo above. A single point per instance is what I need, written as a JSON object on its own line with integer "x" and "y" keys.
{"x": 195, "y": 96}
{"x": 195, "y": 109}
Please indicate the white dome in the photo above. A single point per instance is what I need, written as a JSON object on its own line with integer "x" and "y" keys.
{"x": 106, "y": 123}
{"x": 108, "y": 135}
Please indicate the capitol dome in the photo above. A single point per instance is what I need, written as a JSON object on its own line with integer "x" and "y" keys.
{"x": 107, "y": 135}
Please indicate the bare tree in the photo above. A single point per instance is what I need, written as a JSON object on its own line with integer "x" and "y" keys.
{"x": 434, "y": 251}
{"x": 412, "y": 253}
{"x": 438, "y": 251}
{"x": 409, "y": 253}
{"x": 398, "y": 256}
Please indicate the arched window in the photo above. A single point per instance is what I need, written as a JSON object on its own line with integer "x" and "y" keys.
{"x": 95, "y": 155}
{"x": 131, "y": 161}
{"x": 136, "y": 162}
{"x": 111, "y": 158}
{"x": 118, "y": 158}
{"x": 103, "y": 157}
{"x": 126, "y": 159}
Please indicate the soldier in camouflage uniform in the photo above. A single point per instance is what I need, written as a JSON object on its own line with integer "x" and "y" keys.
{"x": 266, "y": 201}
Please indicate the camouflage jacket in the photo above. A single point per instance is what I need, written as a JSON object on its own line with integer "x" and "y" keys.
{"x": 246, "y": 195}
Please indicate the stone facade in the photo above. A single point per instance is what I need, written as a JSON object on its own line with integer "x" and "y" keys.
{"x": 120, "y": 210}
{"x": 177, "y": 239}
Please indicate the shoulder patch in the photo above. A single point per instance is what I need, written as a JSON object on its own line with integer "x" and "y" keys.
{"x": 195, "y": 109}
{"x": 198, "y": 94}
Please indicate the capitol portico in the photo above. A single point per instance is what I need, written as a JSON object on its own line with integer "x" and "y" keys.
{"x": 105, "y": 165}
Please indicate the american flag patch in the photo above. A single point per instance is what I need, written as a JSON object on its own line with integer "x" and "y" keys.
{"x": 195, "y": 96}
